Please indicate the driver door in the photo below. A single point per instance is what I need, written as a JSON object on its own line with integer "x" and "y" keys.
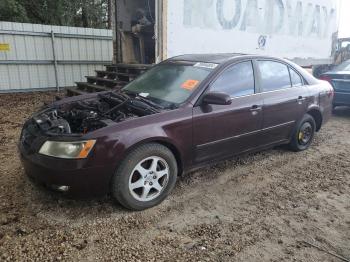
{"x": 220, "y": 131}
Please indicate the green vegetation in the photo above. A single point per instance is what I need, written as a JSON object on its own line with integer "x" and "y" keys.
{"x": 84, "y": 13}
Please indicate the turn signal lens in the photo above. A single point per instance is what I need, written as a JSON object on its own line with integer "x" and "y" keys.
{"x": 67, "y": 150}
{"x": 86, "y": 149}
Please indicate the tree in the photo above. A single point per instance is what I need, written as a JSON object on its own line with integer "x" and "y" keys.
{"x": 13, "y": 11}
{"x": 85, "y": 13}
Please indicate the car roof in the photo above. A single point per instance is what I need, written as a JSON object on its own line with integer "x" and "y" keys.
{"x": 220, "y": 58}
{"x": 206, "y": 58}
{"x": 227, "y": 57}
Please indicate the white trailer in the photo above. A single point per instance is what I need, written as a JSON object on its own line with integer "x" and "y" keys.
{"x": 148, "y": 31}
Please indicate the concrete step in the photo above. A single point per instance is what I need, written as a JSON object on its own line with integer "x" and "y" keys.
{"x": 75, "y": 91}
{"x": 128, "y": 68}
{"x": 114, "y": 77}
{"x": 113, "y": 73}
{"x": 106, "y": 82}
{"x": 91, "y": 88}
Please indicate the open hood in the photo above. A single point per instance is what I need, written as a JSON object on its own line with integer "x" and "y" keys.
{"x": 87, "y": 115}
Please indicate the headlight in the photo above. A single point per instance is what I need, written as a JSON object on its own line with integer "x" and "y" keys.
{"x": 68, "y": 150}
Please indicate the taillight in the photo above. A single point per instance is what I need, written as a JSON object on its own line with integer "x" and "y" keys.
{"x": 326, "y": 78}
{"x": 330, "y": 93}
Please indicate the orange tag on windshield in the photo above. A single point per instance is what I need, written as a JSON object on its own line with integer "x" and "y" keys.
{"x": 190, "y": 84}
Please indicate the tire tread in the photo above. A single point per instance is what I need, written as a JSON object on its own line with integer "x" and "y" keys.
{"x": 294, "y": 145}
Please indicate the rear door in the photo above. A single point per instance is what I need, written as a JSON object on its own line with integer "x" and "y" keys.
{"x": 220, "y": 131}
{"x": 285, "y": 99}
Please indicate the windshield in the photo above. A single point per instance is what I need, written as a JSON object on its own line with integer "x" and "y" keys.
{"x": 345, "y": 66}
{"x": 169, "y": 83}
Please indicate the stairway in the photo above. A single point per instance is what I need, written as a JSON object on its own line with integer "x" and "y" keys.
{"x": 115, "y": 77}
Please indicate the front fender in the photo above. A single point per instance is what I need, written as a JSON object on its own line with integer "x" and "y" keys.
{"x": 128, "y": 143}
{"x": 171, "y": 128}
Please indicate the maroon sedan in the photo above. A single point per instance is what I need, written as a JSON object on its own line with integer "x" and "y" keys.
{"x": 185, "y": 113}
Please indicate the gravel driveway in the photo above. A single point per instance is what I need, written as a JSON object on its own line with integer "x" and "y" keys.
{"x": 260, "y": 207}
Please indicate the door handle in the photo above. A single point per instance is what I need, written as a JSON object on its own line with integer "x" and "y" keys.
{"x": 301, "y": 99}
{"x": 255, "y": 109}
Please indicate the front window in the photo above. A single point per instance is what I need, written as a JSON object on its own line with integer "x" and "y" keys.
{"x": 236, "y": 81}
{"x": 171, "y": 83}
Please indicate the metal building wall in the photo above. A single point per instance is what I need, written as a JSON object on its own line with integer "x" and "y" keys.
{"x": 29, "y": 62}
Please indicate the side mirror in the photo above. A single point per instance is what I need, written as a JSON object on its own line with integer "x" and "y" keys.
{"x": 216, "y": 98}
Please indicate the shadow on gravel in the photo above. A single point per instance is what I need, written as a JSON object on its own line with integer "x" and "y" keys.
{"x": 216, "y": 170}
{"x": 73, "y": 207}
{"x": 59, "y": 205}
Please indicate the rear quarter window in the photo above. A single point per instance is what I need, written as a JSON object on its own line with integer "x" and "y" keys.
{"x": 295, "y": 77}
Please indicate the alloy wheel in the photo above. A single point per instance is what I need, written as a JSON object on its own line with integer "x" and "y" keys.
{"x": 149, "y": 178}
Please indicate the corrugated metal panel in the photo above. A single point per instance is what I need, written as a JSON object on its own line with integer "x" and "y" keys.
{"x": 29, "y": 64}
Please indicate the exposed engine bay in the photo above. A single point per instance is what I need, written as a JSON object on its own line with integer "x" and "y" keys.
{"x": 84, "y": 116}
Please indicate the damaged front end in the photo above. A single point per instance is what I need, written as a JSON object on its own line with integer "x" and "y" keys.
{"x": 87, "y": 115}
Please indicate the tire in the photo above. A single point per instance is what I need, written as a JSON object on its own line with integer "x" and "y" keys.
{"x": 149, "y": 167}
{"x": 303, "y": 134}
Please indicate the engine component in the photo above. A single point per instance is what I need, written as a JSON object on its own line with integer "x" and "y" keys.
{"x": 81, "y": 117}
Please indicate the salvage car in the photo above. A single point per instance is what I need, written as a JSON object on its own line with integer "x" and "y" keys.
{"x": 339, "y": 78}
{"x": 184, "y": 113}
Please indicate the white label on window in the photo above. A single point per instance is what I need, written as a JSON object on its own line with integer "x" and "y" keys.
{"x": 206, "y": 65}
{"x": 144, "y": 94}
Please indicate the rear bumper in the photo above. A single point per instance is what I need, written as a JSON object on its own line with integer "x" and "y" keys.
{"x": 70, "y": 175}
{"x": 341, "y": 99}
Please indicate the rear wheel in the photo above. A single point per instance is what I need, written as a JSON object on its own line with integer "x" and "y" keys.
{"x": 145, "y": 177}
{"x": 303, "y": 134}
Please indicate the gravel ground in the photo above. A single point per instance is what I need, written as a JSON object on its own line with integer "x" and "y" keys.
{"x": 259, "y": 207}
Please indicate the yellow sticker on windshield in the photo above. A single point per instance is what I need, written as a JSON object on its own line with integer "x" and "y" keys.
{"x": 190, "y": 84}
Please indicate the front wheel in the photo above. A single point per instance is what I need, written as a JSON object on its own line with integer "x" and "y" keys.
{"x": 303, "y": 134}
{"x": 145, "y": 177}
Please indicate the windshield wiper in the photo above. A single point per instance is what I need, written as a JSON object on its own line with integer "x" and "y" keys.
{"x": 143, "y": 99}
{"x": 136, "y": 103}
{"x": 149, "y": 102}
